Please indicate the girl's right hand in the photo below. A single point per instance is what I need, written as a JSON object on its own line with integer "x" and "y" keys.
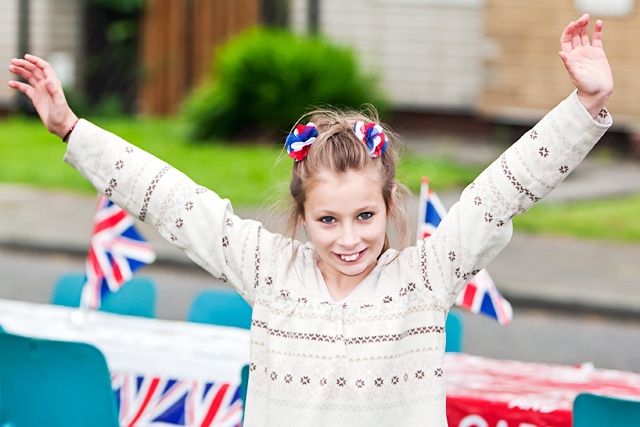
{"x": 45, "y": 91}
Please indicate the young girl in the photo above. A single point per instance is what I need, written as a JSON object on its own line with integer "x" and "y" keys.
{"x": 346, "y": 331}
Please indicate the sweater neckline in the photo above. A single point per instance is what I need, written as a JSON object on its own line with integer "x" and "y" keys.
{"x": 324, "y": 290}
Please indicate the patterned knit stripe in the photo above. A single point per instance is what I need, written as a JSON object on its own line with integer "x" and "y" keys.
{"x": 342, "y": 357}
{"x": 150, "y": 189}
{"x": 336, "y": 338}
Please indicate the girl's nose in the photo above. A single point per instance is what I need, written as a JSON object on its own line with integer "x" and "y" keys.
{"x": 349, "y": 238}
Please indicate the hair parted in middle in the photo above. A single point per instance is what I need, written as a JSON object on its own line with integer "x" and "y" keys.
{"x": 337, "y": 149}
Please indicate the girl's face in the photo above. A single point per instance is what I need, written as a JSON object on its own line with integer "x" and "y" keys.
{"x": 346, "y": 219}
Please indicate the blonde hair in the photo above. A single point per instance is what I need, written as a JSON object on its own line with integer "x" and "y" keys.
{"x": 338, "y": 150}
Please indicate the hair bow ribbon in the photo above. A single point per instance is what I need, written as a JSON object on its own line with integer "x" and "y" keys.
{"x": 371, "y": 134}
{"x": 373, "y": 137}
{"x": 299, "y": 141}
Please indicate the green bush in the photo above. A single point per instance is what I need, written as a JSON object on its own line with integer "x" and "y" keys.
{"x": 265, "y": 79}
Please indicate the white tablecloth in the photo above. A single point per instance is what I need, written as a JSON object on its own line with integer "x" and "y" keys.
{"x": 136, "y": 344}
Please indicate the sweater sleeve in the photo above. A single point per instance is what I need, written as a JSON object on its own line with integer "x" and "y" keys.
{"x": 479, "y": 225}
{"x": 190, "y": 216}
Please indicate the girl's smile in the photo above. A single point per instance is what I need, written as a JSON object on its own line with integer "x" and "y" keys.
{"x": 346, "y": 218}
{"x": 351, "y": 258}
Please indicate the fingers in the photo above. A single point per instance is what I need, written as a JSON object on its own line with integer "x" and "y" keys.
{"x": 26, "y": 70}
{"x": 22, "y": 87}
{"x": 34, "y": 64}
{"x": 575, "y": 34}
{"x": 18, "y": 69}
{"x": 597, "y": 34}
{"x": 584, "y": 38}
{"x": 566, "y": 39}
{"x": 576, "y": 41}
{"x": 36, "y": 60}
{"x": 42, "y": 66}
{"x": 37, "y": 72}
{"x": 32, "y": 68}
{"x": 563, "y": 56}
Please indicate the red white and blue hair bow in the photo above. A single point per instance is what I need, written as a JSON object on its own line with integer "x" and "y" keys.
{"x": 299, "y": 141}
{"x": 371, "y": 134}
{"x": 373, "y": 137}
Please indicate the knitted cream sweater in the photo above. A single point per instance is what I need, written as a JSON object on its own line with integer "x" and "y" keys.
{"x": 375, "y": 359}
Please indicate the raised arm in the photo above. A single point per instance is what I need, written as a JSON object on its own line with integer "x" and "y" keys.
{"x": 45, "y": 91}
{"x": 189, "y": 216}
{"x": 480, "y": 225}
{"x": 587, "y": 64}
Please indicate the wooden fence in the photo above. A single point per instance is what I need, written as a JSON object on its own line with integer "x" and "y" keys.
{"x": 178, "y": 43}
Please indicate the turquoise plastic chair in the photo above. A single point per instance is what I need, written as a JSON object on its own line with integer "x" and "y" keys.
{"x": 454, "y": 328}
{"x": 135, "y": 298}
{"x": 593, "y": 410}
{"x": 54, "y": 384}
{"x": 224, "y": 307}
{"x": 244, "y": 376}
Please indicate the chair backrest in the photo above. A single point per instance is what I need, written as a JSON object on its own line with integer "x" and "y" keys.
{"x": 244, "y": 383}
{"x": 54, "y": 383}
{"x": 591, "y": 410}
{"x": 223, "y": 307}
{"x": 137, "y": 297}
{"x": 454, "y": 328}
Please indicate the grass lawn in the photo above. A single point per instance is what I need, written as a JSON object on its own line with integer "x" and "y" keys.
{"x": 249, "y": 174}
{"x": 245, "y": 173}
{"x": 606, "y": 219}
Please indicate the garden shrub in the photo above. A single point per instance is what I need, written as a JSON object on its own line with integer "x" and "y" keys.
{"x": 263, "y": 80}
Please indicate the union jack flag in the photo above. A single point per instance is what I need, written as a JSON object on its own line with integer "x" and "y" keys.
{"x": 158, "y": 401}
{"x": 214, "y": 404}
{"x": 480, "y": 295}
{"x": 116, "y": 250}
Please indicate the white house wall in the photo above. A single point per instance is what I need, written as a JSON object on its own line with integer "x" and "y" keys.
{"x": 55, "y": 34}
{"x": 428, "y": 53}
{"x": 8, "y": 45}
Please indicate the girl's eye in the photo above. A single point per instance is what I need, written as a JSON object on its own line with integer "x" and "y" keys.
{"x": 365, "y": 215}
{"x": 327, "y": 220}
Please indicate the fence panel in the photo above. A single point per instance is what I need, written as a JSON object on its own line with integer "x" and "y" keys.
{"x": 179, "y": 39}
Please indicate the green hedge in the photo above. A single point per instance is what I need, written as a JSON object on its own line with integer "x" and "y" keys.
{"x": 265, "y": 79}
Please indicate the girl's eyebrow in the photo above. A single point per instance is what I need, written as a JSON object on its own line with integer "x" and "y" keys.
{"x": 330, "y": 212}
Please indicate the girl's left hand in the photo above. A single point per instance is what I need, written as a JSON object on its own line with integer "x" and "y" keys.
{"x": 587, "y": 64}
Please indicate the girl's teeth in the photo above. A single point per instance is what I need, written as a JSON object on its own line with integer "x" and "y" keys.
{"x": 349, "y": 257}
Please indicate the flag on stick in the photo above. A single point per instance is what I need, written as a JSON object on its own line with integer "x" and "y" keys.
{"x": 116, "y": 251}
{"x": 480, "y": 295}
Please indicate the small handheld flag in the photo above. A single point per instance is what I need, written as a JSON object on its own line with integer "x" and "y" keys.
{"x": 116, "y": 251}
{"x": 480, "y": 295}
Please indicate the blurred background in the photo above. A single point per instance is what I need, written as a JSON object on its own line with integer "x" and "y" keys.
{"x": 467, "y": 65}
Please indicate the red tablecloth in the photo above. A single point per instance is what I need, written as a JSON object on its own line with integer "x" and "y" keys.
{"x": 483, "y": 392}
